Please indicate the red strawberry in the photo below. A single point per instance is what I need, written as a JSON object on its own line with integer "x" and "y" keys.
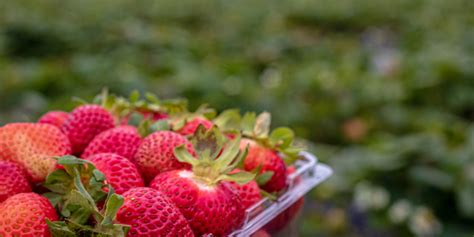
{"x": 249, "y": 193}
{"x": 33, "y": 146}
{"x": 84, "y": 123}
{"x": 25, "y": 214}
{"x": 121, "y": 173}
{"x": 122, "y": 140}
{"x": 56, "y": 118}
{"x": 191, "y": 126}
{"x": 150, "y": 213}
{"x": 212, "y": 209}
{"x": 206, "y": 200}
{"x": 12, "y": 180}
{"x": 269, "y": 161}
{"x": 155, "y": 154}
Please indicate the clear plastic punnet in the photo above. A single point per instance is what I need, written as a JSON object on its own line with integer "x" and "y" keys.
{"x": 309, "y": 173}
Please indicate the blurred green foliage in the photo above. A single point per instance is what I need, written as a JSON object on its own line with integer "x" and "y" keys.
{"x": 385, "y": 89}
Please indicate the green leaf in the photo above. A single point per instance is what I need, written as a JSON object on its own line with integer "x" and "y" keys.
{"x": 183, "y": 155}
{"x": 152, "y": 98}
{"x": 282, "y": 137}
{"x": 264, "y": 177}
{"x": 248, "y": 123}
{"x": 134, "y": 96}
{"x": 53, "y": 198}
{"x": 262, "y": 125}
{"x": 207, "y": 144}
{"x": 58, "y": 181}
{"x": 71, "y": 160}
{"x": 228, "y": 120}
{"x": 241, "y": 177}
{"x": 112, "y": 206}
{"x": 160, "y": 125}
{"x": 229, "y": 156}
{"x": 135, "y": 119}
{"x": 60, "y": 228}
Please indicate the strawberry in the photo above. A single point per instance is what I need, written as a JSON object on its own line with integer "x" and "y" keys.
{"x": 270, "y": 162}
{"x": 191, "y": 126}
{"x": 25, "y": 214}
{"x": 56, "y": 118}
{"x": 204, "y": 195}
{"x": 122, "y": 140}
{"x": 12, "y": 180}
{"x": 84, "y": 123}
{"x": 150, "y": 213}
{"x": 33, "y": 146}
{"x": 120, "y": 173}
{"x": 155, "y": 153}
{"x": 249, "y": 193}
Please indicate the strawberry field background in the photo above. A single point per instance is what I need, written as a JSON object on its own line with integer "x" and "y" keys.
{"x": 383, "y": 90}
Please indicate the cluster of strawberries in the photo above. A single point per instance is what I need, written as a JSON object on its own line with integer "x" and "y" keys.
{"x": 139, "y": 167}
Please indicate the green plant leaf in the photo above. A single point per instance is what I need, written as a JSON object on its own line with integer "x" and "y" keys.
{"x": 262, "y": 125}
{"x": 248, "y": 123}
{"x": 114, "y": 202}
{"x": 183, "y": 155}
{"x": 282, "y": 137}
{"x": 241, "y": 177}
{"x": 264, "y": 177}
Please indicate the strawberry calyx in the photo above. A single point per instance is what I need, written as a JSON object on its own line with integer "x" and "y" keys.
{"x": 148, "y": 105}
{"x": 76, "y": 191}
{"x": 178, "y": 120}
{"x": 258, "y": 129}
{"x": 217, "y": 157}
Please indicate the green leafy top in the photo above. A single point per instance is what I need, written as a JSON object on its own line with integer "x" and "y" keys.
{"x": 258, "y": 128}
{"x": 178, "y": 120}
{"x": 217, "y": 157}
{"x": 124, "y": 107}
{"x": 75, "y": 191}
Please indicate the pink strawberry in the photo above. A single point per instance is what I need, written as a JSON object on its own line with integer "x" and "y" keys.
{"x": 122, "y": 140}
{"x": 150, "y": 213}
{"x": 155, "y": 154}
{"x": 269, "y": 161}
{"x": 25, "y": 214}
{"x": 210, "y": 205}
{"x": 120, "y": 173}
{"x": 12, "y": 180}
{"x": 33, "y": 146}
{"x": 191, "y": 126}
{"x": 84, "y": 123}
{"x": 56, "y": 118}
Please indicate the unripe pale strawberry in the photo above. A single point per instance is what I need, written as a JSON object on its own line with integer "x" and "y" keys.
{"x": 84, "y": 123}
{"x": 150, "y": 213}
{"x": 33, "y": 146}
{"x": 122, "y": 140}
{"x": 25, "y": 214}
{"x": 120, "y": 173}
{"x": 12, "y": 180}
